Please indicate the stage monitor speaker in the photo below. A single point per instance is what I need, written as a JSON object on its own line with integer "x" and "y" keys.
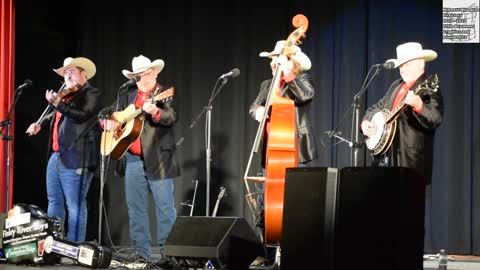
{"x": 380, "y": 219}
{"x": 309, "y": 217}
{"x": 227, "y": 242}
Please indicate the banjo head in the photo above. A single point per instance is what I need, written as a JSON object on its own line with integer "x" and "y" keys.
{"x": 378, "y": 121}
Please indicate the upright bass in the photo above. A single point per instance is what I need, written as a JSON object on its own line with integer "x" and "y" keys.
{"x": 282, "y": 147}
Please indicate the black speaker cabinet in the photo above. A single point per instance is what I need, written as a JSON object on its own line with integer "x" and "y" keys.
{"x": 228, "y": 242}
{"x": 380, "y": 219}
{"x": 309, "y": 218}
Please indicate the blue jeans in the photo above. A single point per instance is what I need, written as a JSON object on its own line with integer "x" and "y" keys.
{"x": 70, "y": 187}
{"x": 137, "y": 185}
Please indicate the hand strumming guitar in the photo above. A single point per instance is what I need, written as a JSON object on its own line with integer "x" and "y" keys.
{"x": 110, "y": 125}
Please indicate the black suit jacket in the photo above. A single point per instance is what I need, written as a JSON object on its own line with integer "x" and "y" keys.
{"x": 412, "y": 146}
{"x": 78, "y": 131}
{"x": 301, "y": 91}
{"x": 157, "y": 139}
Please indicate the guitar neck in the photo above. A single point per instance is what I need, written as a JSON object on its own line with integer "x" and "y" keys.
{"x": 136, "y": 113}
{"x": 131, "y": 112}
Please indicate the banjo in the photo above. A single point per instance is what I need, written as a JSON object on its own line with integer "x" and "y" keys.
{"x": 385, "y": 122}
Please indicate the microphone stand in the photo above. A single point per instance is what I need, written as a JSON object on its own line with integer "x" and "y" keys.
{"x": 7, "y": 138}
{"x": 354, "y": 143}
{"x": 208, "y": 120}
{"x": 103, "y": 160}
{"x": 104, "y": 114}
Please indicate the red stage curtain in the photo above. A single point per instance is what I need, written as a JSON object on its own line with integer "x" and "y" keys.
{"x": 7, "y": 67}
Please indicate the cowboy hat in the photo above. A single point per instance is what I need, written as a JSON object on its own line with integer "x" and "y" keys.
{"x": 301, "y": 58}
{"x": 412, "y": 50}
{"x": 141, "y": 63}
{"x": 81, "y": 62}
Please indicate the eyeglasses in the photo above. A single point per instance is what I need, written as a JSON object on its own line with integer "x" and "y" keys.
{"x": 144, "y": 74}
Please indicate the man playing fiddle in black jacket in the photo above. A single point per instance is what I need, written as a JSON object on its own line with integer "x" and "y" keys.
{"x": 73, "y": 144}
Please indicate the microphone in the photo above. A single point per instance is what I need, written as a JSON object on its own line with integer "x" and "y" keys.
{"x": 26, "y": 84}
{"x": 234, "y": 73}
{"x": 131, "y": 82}
{"x": 389, "y": 64}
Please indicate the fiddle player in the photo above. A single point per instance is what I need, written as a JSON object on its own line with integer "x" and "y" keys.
{"x": 73, "y": 146}
{"x": 296, "y": 85}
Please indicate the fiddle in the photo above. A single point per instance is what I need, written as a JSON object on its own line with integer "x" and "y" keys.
{"x": 66, "y": 93}
{"x": 61, "y": 94}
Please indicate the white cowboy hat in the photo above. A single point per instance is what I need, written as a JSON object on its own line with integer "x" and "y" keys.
{"x": 301, "y": 58}
{"x": 412, "y": 50}
{"x": 141, "y": 63}
{"x": 81, "y": 62}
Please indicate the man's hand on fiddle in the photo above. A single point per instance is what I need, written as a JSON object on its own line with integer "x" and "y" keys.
{"x": 51, "y": 97}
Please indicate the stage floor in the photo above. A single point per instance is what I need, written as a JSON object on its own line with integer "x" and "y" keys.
{"x": 456, "y": 262}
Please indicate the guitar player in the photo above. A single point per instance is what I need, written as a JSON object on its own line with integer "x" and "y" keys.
{"x": 149, "y": 163}
{"x": 412, "y": 145}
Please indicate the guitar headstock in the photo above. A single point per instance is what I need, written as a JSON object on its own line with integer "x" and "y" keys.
{"x": 431, "y": 83}
{"x": 165, "y": 95}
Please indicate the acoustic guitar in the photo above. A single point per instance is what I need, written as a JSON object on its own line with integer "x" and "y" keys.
{"x": 116, "y": 143}
{"x": 385, "y": 121}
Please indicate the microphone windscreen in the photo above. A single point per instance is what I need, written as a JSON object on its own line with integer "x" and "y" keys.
{"x": 235, "y": 72}
{"x": 389, "y": 65}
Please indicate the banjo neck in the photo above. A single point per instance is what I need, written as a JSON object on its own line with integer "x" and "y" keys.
{"x": 424, "y": 86}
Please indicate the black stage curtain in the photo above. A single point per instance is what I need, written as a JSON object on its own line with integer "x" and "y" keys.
{"x": 199, "y": 42}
